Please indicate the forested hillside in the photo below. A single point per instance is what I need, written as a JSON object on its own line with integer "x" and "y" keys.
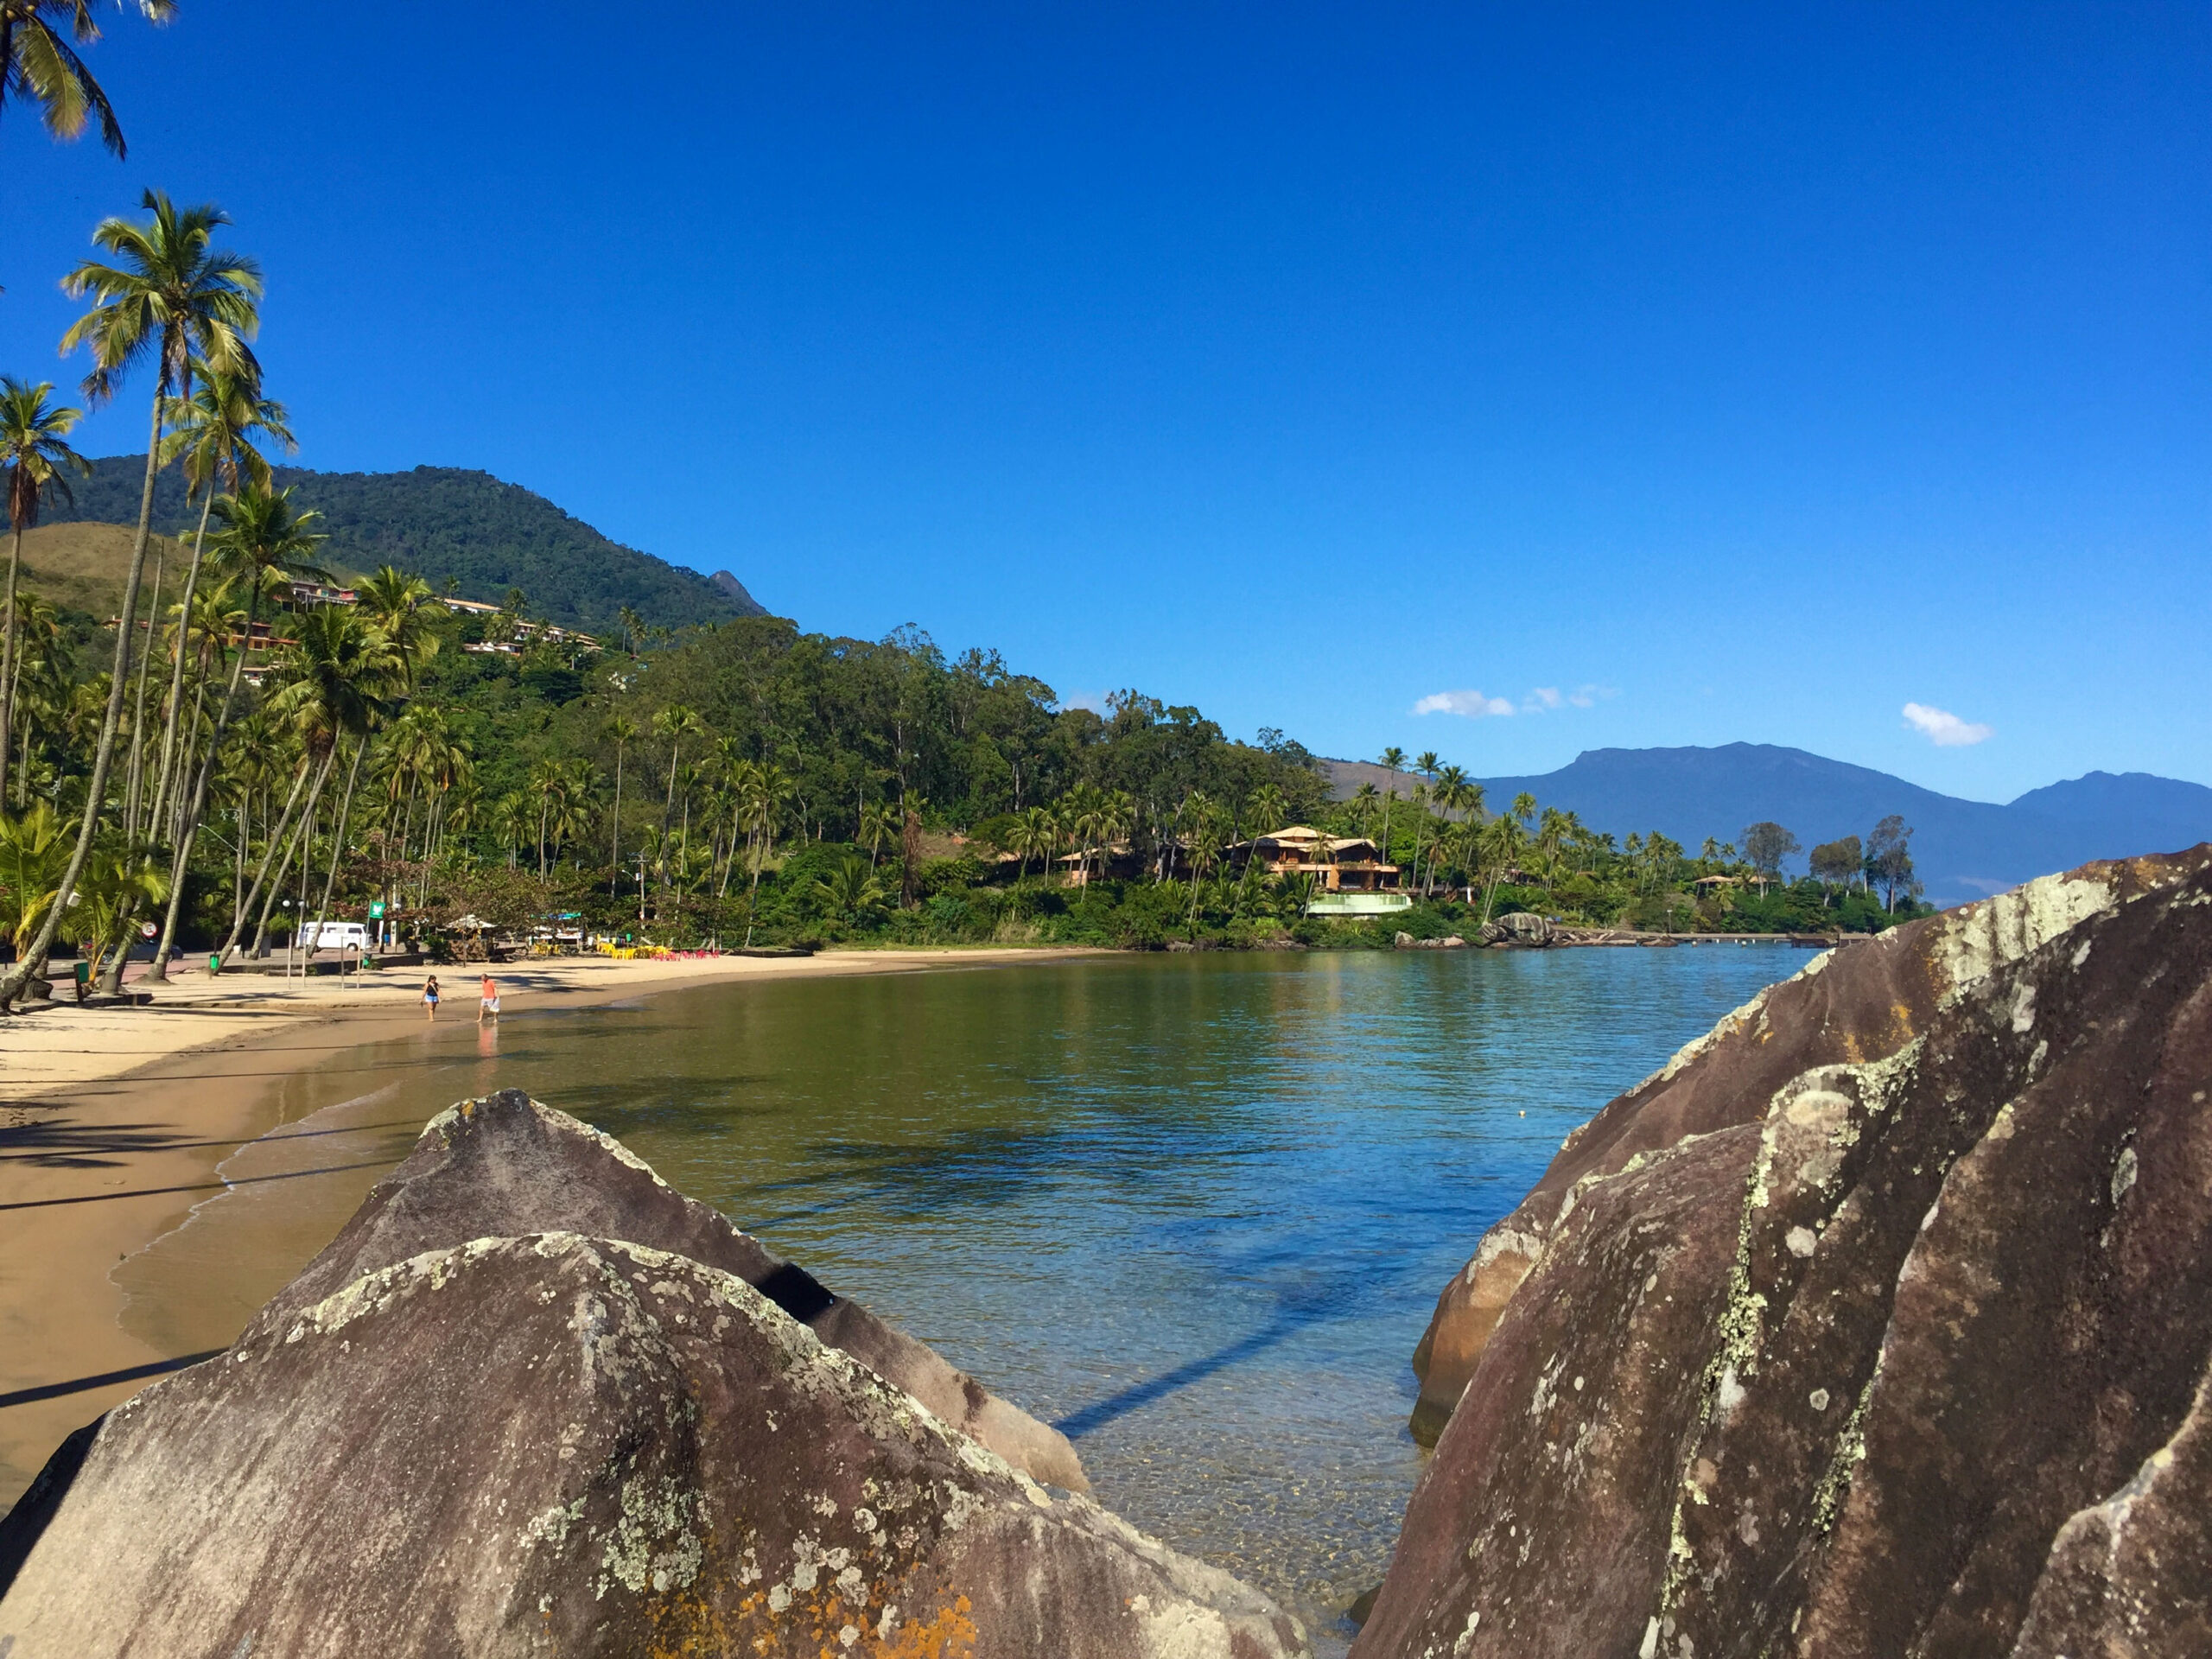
{"x": 448, "y": 522}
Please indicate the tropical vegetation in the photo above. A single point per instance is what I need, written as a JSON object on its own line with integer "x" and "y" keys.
{"x": 247, "y": 748}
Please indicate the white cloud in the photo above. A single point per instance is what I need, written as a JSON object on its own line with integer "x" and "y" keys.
{"x": 1094, "y": 701}
{"x": 1945, "y": 730}
{"x": 1473, "y": 704}
{"x": 1541, "y": 700}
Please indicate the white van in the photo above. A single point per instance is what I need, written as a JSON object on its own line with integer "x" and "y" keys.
{"x": 335, "y": 936}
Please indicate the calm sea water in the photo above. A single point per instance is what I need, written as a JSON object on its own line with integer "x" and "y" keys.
{"x": 1195, "y": 1209}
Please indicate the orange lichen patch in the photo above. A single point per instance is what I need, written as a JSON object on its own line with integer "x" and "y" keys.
{"x": 950, "y": 1635}
{"x": 772, "y": 1621}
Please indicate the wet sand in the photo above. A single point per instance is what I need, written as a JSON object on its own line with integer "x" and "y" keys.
{"x": 114, "y": 1123}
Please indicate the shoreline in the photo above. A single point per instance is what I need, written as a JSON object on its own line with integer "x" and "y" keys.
{"x": 114, "y": 1123}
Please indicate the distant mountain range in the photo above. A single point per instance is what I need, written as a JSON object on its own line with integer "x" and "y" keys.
{"x": 1963, "y": 849}
{"x": 443, "y": 522}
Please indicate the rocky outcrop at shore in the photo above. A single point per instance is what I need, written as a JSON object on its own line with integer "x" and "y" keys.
{"x": 463, "y": 1430}
{"x": 506, "y": 1165}
{"x": 1878, "y": 1322}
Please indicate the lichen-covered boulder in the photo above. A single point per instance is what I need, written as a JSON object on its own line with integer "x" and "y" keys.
{"x": 505, "y": 1166}
{"x": 1519, "y": 927}
{"x": 1907, "y": 1350}
{"x": 559, "y": 1445}
{"x": 1865, "y": 1000}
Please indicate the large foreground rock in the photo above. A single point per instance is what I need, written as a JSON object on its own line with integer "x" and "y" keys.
{"x": 1864, "y": 1001}
{"x": 556, "y": 1444}
{"x": 506, "y": 1165}
{"x": 546, "y": 1442}
{"x": 1880, "y": 1322}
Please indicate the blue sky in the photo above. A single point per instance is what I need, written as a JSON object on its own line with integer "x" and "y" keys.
{"x": 1662, "y": 378}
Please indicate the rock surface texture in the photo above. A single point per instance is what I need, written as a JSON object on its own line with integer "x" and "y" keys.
{"x": 505, "y": 1166}
{"x": 550, "y": 1442}
{"x": 1879, "y": 1322}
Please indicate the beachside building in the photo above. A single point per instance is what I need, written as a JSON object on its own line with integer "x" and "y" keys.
{"x": 523, "y": 631}
{"x": 1350, "y": 874}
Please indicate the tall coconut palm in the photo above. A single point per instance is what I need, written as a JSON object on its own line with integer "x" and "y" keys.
{"x": 38, "y": 636}
{"x": 38, "y": 63}
{"x": 347, "y": 678}
{"x": 675, "y": 722}
{"x": 1502, "y": 839}
{"x": 571, "y": 815}
{"x": 879, "y": 822}
{"x": 1035, "y": 835}
{"x": 37, "y": 463}
{"x": 170, "y": 294}
{"x": 211, "y": 432}
{"x": 768, "y": 792}
{"x": 622, "y": 731}
{"x": 1267, "y": 808}
{"x": 1393, "y": 761}
{"x": 405, "y": 609}
{"x": 263, "y": 541}
{"x": 335, "y": 680}
{"x": 549, "y": 785}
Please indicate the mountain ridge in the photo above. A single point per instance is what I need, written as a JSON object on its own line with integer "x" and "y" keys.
{"x": 452, "y": 521}
{"x": 1964, "y": 849}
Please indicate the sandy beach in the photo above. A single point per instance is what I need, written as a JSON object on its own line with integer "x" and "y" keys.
{"x": 113, "y": 1121}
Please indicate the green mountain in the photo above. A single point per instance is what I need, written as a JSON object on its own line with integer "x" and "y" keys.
{"x": 444, "y": 522}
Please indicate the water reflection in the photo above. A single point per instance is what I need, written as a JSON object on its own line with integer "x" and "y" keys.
{"x": 1195, "y": 1209}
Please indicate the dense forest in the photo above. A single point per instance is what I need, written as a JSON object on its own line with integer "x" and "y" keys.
{"x": 446, "y": 524}
{"x": 760, "y": 784}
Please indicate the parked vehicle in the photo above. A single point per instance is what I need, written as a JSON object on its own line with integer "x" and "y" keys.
{"x": 335, "y": 936}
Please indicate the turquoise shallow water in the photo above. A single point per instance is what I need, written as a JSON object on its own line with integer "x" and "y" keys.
{"x": 1194, "y": 1209}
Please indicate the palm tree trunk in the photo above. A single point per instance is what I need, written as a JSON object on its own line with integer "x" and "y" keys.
{"x": 188, "y": 827}
{"x": 33, "y": 959}
{"x": 7, "y": 665}
{"x": 614, "y": 883}
{"x": 277, "y": 839}
{"x": 174, "y": 806}
{"x": 164, "y": 787}
{"x": 337, "y": 849}
{"x": 134, "y": 788}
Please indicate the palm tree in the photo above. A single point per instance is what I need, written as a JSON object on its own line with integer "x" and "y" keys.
{"x": 169, "y": 292}
{"x": 571, "y": 813}
{"x": 352, "y": 678}
{"x": 850, "y": 889}
{"x": 1203, "y": 851}
{"x": 31, "y": 449}
{"x": 1393, "y": 761}
{"x": 1363, "y": 801}
{"x": 1502, "y": 841}
{"x": 37, "y": 62}
{"x": 212, "y": 431}
{"x": 1267, "y": 808}
{"x": 402, "y": 606}
{"x": 115, "y": 882}
{"x": 513, "y": 818}
{"x": 263, "y": 541}
{"x": 621, "y": 732}
{"x": 34, "y": 851}
{"x": 338, "y": 674}
{"x": 675, "y": 722}
{"x": 1035, "y": 835}
{"x": 769, "y": 791}
{"x": 879, "y": 822}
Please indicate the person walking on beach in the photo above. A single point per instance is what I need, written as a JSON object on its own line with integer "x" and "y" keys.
{"x": 487, "y": 1006}
{"x": 430, "y": 995}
